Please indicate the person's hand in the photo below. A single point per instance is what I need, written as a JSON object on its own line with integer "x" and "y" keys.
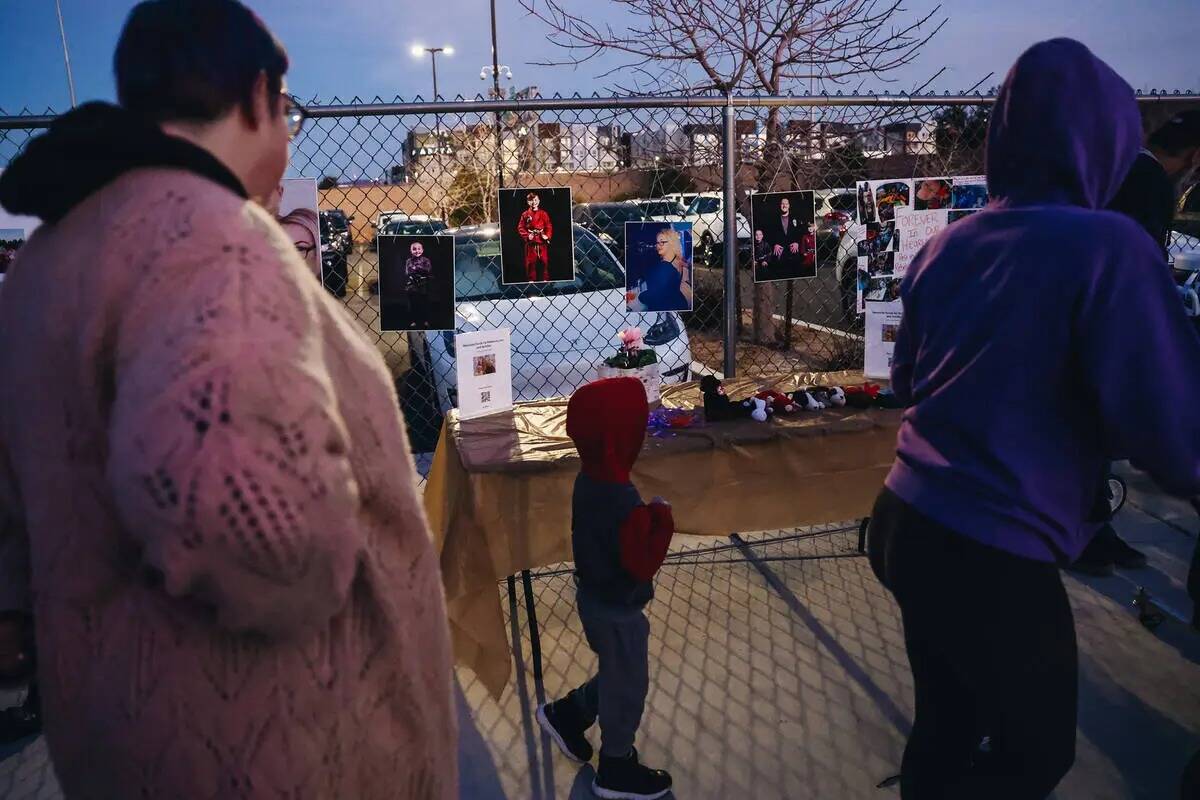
{"x": 778, "y": 251}
{"x": 795, "y": 248}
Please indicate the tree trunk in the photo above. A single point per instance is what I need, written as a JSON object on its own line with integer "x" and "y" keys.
{"x": 765, "y": 329}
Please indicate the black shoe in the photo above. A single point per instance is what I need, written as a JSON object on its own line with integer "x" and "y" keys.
{"x": 566, "y": 731}
{"x": 626, "y": 779}
{"x": 1123, "y": 555}
{"x": 1096, "y": 559}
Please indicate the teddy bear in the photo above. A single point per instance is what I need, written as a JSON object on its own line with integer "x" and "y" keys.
{"x": 804, "y": 401}
{"x": 777, "y": 402}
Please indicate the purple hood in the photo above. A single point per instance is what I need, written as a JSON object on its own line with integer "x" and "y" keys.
{"x": 1065, "y": 129}
{"x": 1043, "y": 336}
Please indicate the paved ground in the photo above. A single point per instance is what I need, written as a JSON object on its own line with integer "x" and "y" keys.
{"x": 778, "y": 678}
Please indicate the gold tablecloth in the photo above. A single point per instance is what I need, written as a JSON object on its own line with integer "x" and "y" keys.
{"x": 499, "y": 491}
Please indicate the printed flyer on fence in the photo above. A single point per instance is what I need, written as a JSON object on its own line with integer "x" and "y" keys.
{"x": 484, "y": 366}
{"x": 882, "y": 323}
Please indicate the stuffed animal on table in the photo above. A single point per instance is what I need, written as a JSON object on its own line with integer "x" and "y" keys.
{"x": 757, "y": 408}
{"x": 837, "y": 397}
{"x": 777, "y": 402}
{"x": 718, "y": 407}
{"x": 821, "y": 395}
{"x": 863, "y": 396}
{"x": 804, "y": 401}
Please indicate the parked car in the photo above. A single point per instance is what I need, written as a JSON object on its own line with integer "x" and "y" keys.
{"x": 836, "y": 210}
{"x": 607, "y": 221}
{"x": 560, "y": 332}
{"x": 398, "y": 223}
{"x": 335, "y": 250}
{"x": 683, "y": 198}
{"x": 707, "y": 215}
{"x": 663, "y": 210}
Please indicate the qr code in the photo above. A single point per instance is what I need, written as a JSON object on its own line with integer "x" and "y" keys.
{"x": 485, "y": 397}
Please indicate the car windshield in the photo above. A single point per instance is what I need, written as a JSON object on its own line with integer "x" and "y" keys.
{"x": 706, "y": 205}
{"x": 413, "y": 227}
{"x": 477, "y": 275}
{"x": 664, "y": 208}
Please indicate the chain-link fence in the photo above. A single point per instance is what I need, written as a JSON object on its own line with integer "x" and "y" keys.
{"x": 422, "y": 168}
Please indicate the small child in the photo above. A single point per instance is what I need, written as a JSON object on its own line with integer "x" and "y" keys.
{"x": 618, "y": 545}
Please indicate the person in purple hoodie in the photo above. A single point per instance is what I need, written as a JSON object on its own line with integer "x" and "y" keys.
{"x": 1041, "y": 338}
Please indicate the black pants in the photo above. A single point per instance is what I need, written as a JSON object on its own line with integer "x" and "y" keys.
{"x": 617, "y": 692}
{"x": 991, "y": 643}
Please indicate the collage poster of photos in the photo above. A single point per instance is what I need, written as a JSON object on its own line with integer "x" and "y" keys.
{"x": 900, "y": 215}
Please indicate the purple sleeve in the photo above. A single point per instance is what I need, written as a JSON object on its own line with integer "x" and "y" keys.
{"x": 1141, "y": 363}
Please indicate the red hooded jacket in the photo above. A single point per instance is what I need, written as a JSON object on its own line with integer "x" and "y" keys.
{"x": 619, "y": 543}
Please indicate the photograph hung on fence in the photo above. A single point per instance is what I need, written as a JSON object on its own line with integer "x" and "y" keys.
{"x": 416, "y": 283}
{"x": 535, "y": 235}
{"x": 969, "y": 192}
{"x": 932, "y": 194}
{"x": 294, "y": 206}
{"x": 878, "y": 200}
{"x": 658, "y": 266}
{"x": 877, "y": 278}
{"x": 785, "y": 236}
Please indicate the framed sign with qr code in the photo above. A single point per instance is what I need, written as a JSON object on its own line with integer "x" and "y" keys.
{"x": 484, "y": 367}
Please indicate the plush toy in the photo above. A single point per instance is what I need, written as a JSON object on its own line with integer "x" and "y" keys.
{"x": 717, "y": 405}
{"x": 861, "y": 396}
{"x": 837, "y": 397}
{"x": 804, "y": 401}
{"x": 777, "y": 402}
{"x": 821, "y": 395}
{"x": 887, "y": 399}
{"x": 757, "y": 408}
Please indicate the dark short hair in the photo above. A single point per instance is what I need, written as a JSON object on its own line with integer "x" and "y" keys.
{"x": 1180, "y": 132}
{"x": 532, "y": 195}
{"x": 195, "y": 60}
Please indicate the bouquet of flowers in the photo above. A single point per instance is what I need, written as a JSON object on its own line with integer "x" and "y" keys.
{"x": 634, "y": 360}
{"x": 633, "y": 352}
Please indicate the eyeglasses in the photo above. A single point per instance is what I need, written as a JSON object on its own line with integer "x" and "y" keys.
{"x": 295, "y": 114}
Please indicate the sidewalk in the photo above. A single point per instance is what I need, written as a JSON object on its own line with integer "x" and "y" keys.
{"x": 779, "y": 678}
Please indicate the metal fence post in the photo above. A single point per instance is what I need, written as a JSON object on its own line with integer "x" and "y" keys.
{"x": 729, "y": 154}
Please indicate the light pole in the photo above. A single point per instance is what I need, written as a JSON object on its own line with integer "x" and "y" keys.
{"x": 418, "y": 51}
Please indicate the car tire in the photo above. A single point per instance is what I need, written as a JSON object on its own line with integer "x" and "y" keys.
{"x": 418, "y": 403}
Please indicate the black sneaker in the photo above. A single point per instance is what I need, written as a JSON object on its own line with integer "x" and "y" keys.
{"x": 1123, "y": 555}
{"x": 565, "y": 731}
{"x": 1096, "y": 559}
{"x": 626, "y": 779}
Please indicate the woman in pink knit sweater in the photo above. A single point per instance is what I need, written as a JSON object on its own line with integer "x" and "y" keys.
{"x": 206, "y": 495}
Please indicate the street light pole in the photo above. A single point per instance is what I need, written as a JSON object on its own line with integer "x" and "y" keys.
{"x": 496, "y": 90}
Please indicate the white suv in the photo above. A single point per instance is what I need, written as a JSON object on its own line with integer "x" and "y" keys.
{"x": 707, "y": 215}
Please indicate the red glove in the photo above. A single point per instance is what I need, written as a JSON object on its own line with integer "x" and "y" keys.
{"x": 645, "y": 536}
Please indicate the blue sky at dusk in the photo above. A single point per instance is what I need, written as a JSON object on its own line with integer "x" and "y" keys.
{"x": 362, "y": 47}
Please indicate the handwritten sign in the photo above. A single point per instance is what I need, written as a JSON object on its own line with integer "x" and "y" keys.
{"x": 914, "y": 229}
